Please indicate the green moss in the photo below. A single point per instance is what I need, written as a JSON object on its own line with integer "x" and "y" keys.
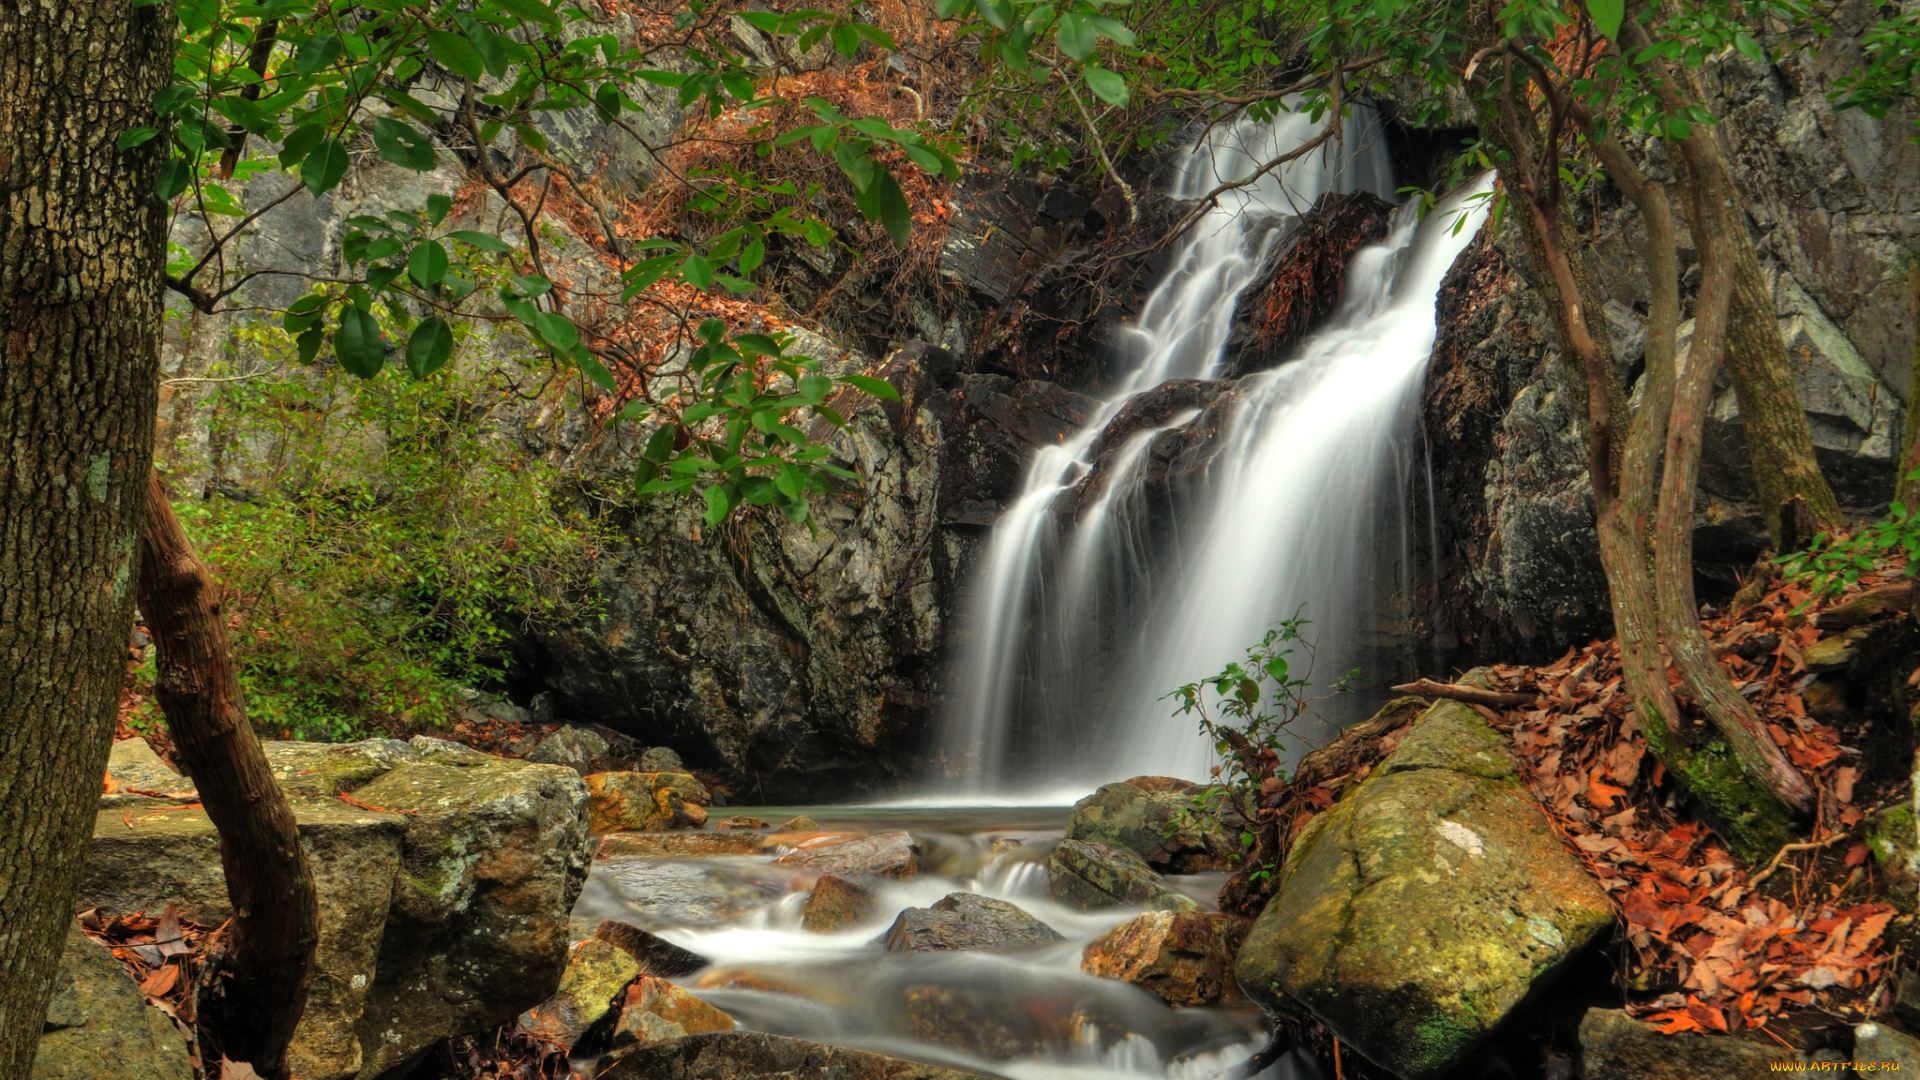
{"x": 1755, "y": 823}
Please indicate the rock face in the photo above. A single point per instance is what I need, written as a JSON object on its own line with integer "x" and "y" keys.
{"x": 1615, "y": 1046}
{"x": 1425, "y": 905}
{"x": 444, "y": 913}
{"x": 887, "y": 855}
{"x": 1092, "y": 876}
{"x": 1155, "y": 818}
{"x": 750, "y": 1055}
{"x": 837, "y": 904}
{"x": 639, "y": 800}
{"x": 99, "y": 1026}
{"x": 967, "y": 921}
{"x": 1182, "y": 957}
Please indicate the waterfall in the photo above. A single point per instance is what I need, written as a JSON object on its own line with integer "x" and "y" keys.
{"x": 1076, "y": 626}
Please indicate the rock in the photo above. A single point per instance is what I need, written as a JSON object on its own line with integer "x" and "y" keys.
{"x": 655, "y": 892}
{"x": 646, "y": 801}
{"x": 661, "y": 759}
{"x": 741, "y": 821}
{"x": 1834, "y": 652}
{"x": 801, "y": 823}
{"x": 1183, "y": 957}
{"x": 540, "y": 707}
{"x": 837, "y": 904}
{"x": 751, "y": 1055}
{"x": 656, "y": 1011}
{"x": 888, "y": 855}
{"x": 1092, "y": 876}
{"x": 595, "y": 975}
{"x": 1425, "y": 905}
{"x": 1615, "y": 1046}
{"x": 99, "y": 1026}
{"x": 574, "y": 747}
{"x": 134, "y": 767}
{"x": 1893, "y": 836}
{"x": 677, "y": 845}
{"x": 967, "y": 921}
{"x": 1301, "y": 282}
{"x": 1878, "y": 1044}
{"x": 976, "y": 1020}
{"x": 508, "y": 712}
{"x": 1155, "y": 818}
{"x": 656, "y": 956}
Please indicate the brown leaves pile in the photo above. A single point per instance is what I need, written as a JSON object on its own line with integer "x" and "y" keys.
{"x": 169, "y": 957}
{"x": 1707, "y": 949}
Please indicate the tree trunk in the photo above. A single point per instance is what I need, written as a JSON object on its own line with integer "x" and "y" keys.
{"x": 1905, "y": 489}
{"x": 80, "y": 307}
{"x": 251, "y": 1013}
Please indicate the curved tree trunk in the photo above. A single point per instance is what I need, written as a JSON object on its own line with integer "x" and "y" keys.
{"x": 80, "y": 307}
{"x": 251, "y": 1012}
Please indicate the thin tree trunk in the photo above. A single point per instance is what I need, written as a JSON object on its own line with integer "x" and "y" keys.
{"x": 262, "y": 991}
{"x": 1905, "y": 489}
{"x": 82, "y": 239}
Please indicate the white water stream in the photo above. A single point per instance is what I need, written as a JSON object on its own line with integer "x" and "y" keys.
{"x": 1074, "y": 630}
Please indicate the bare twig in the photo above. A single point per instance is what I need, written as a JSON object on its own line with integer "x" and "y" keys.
{"x": 1472, "y": 695}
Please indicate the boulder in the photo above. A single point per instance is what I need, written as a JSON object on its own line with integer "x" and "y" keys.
{"x": 443, "y": 913}
{"x": 656, "y": 1011}
{"x": 99, "y": 1026}
{"x": 1156, "y": 818}
{"x": 676, "y": 845}
{"x": 646, "y": 800}
{"x": 888, "y": 855}
{"x": 1878, "y": 1044}
{"x": 1182, "y": 957}
{"x": 596, "y": 974}
{"x": 133, "y": 767}
{"x": 837, "y": 904}
{"x": 1425, "y": 905}
{"x": 801, "y": 823}
{"x": 1093, "y": 876}
{"x": 1893, "y": 836}
{"x": 656, "y": 892}
{"x": 574, "y": 747}
{"x": 1615, "y": 1046}
{"x": 656, "y": 956}
{"x": 752, "y": 1055}
{"x": 967, "y": 921}
{"x": 661, "y": 759}
{"x": 742, "y": 821}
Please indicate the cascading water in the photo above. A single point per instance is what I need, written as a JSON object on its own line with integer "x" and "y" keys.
{"x": 1075, "y": 629}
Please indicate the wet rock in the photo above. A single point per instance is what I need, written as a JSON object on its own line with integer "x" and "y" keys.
{"x": 1156, "y": 818}
{"x": 656, "y": 1011}
{"x": 837, "y": 904}
{"x": 661, "y": 759}
{"x": 1615, "y": 1046}
{"x": 134, "y": 767}
{"x": 1302, "y": 281}
{"x": 658, "y": 893}
{"x": 801, "y": 823}
{"x": 990, "y": 243}
{"x": 741, "y": 821}
{"x": 99, "y": 1026}
{"x": 1092, "y": 876}
{"x": 973, "y": 1020}
{"x": 751, "y": 1055}
{"x": 1421, "y": 909}
{"x": 646, "y": 801}
{"x": 595, "y": 975}
{"x": 1182, "y": 957}
{"x": 967, "y": 921}
{"x": 677, "y": 845}
{"x": 887, "y": 855}
{"x": 1878, "y": 1044}
{"x": 656, "y": 955}
{"x": 574, "y": 747}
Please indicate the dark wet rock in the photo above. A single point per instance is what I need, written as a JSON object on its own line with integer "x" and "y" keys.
{"x": 656, "y": 1011}
{"x": 837, "y": 904}
{"x": 596, "y": 973}
{"x": 1158, "y": 819}
{"x": 1302, "y": 281}
{"x": 574, "y": 747}
{"x": 1615, "y": 1046}
{"x": 656, "y": 955}
{"x": 993, "y": 237}
{"x": 99, "y": 1026}
{"x": 1182, "y": 957}
{"x": 1426, "y": 905}
{"x": 751, "y": 1055}
{"x": 967, "y": 921}
{"x": 646, "y": 801}
{"x": 1882, "y": 1045}
{"x": 1093, "y": 876}
{"x": 887, "y": 855}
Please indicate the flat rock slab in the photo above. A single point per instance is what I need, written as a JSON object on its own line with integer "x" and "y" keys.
{"x": 887, "y": 855}
{"x": 968, "y": 921}
{"x": 750, "y": 1055}
{"x": 677, "y": 845}
{"x": 1615, "y": 1046}
{"x": 1094, "y": 876}
{"x": 1419, "y": 910}
{"x": 99, "y": 1026}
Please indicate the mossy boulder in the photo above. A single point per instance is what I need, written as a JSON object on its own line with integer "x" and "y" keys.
{"x": 1093, "y": 876}
{"x": 1893, "y": 836}
{"x": 597, "y": 973}
{"x": 99, "y": 1026}
{"x": 1615, "y": 1046}
{"x": 1418, "y": 912}
{"x": 967, "y": 921}
{"x": 1159, "y": 819}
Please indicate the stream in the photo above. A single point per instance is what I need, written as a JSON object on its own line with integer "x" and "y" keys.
{"x": 1029, "y": 1015}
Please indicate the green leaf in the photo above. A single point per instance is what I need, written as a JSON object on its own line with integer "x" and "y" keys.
{"x": 697, "y": 271}
{"x": 174, "y": 177}
{"x": 1749, "y": 48}
{"x": 456, "y": 54}
{"x": 720, "y": 502}
{"x": 483, "y": 241}
{"x": 591, "y": 365}
{"x": 883, "y": 201}
{"x": 438, "y": 206}
{"x": 403, "y": 144}
{"x": 997, "y": 13}
{"x": 324, "y": 167}
{"x": 357, "y": 343}
{"x": 952, "y": 9}
{"x": 532, "y": 9}
{"x": 428, "y": 263}
{"x": 556, "y": 330}
{"x": 430, "y": 346}
{"x": 879, "y": 388}
{"x": 134, "y": 138}
{"x": 661, "y": 444}
{"x": 1607, "y": 15}
{"x": 1110, "y": 87}
{"x": 606, "y": 102}
{"x": 300, "y": 143}
{"x": 1075, "y": 35}
{"x": 316, "y": 53}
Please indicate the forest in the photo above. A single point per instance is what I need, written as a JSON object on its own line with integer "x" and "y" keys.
{"x": 959, "y": 539}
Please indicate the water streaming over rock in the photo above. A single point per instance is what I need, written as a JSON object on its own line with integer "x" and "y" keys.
{"x": 1085, "y": 612}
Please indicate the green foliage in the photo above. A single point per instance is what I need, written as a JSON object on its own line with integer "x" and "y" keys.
{"x": 366, "y": 578}
{"x": 1832, "y": 562}
{"x": 1890, "y": 74}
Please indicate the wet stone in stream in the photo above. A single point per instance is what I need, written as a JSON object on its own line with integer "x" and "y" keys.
{"x": 968, "y": 921}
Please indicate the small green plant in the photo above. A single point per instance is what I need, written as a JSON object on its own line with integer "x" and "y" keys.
{"x": 1833, "y": 561}
{"x": 1249, "y": 710}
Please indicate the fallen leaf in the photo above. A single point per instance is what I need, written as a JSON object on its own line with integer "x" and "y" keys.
{"x": 1843, "y": 781}
{"x": 1856, "y": 854}
{"x": 161, "y": 981}
{"x": 237, "y": 1070}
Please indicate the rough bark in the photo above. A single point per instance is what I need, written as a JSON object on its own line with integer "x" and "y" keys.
{"x": 252, "y": 1008}
{"x": 82, "y": 241}
{"x": 1906, "y": 490}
